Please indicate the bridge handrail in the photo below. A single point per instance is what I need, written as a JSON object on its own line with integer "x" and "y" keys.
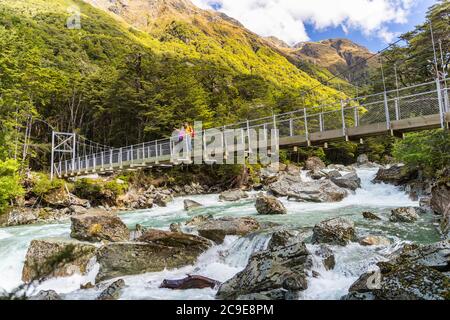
{"x": 341, "y": 106}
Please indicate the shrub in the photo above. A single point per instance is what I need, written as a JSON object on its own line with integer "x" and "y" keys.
{"x": 116, "y": 188}
{"x": 42, "y": 185}
{"x": 98, "y": 191}
{"x": 427, "y": 150}
{"x": 10, "y": 185}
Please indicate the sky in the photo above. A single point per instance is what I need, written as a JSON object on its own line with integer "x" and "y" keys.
{"x": 371, "y": 23}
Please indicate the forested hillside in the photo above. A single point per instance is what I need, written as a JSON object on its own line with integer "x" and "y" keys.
{"x": 118, "y": 85}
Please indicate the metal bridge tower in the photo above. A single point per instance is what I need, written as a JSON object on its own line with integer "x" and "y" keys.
{"x": 63, "y": 145}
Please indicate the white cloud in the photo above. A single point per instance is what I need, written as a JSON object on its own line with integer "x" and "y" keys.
{"x": 286, "y": 19}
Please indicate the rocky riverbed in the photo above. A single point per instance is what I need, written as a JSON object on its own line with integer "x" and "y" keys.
{"x": 325, "y": 233}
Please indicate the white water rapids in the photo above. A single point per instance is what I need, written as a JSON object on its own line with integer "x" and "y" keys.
{"x": 224, "y": 261}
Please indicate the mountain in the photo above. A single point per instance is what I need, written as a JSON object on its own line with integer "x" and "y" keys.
{"x": 340, "y": 56}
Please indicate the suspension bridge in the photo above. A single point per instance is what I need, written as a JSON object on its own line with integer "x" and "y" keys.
{"x": 419, "y": 107}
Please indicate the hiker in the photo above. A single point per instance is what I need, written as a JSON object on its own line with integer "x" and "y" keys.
{"x": 189, "y": 134}
{"x": 181, "y": 134}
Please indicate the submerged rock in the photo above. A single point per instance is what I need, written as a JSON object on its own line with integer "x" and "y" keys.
{"x": 281, "y": 270}
{"x": 191, "y": 205}
{"x": 52, "y": 258}
{"x": 113, "y": 291}
{"x": 98, "y": 227}
{"x": 217, "y": 229}
{"x": 190, "y": 282}
{"x": 269, "y": 205}
{"x": 337, "y": 231}
{"x": 370, "y": 216}
{"x": 313, "y": 191}
{"x": 405, "y": 214}
{"x": 233, "y": 195}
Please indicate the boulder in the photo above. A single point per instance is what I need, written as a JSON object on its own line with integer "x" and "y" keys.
{"x": 440, "y": 203}
{"x": 333, "y": 174}
{"x": 217, "y": 229}
{"x": 113, "y": 291}
{"x": 78, "y": 210}
{"x": 52, "y": 258}
{"x": 60, "y": 198}
{"x": 405, "y": 214}
{"x": 190, "y": 282}
{"x": 374, "y": 241}
{"x": 276, "y": 294}
{"x": 98, "y": 227}
{"x": 233, "y": 195}
{"x": 415, "y": 272}
{"x": 356, "y": 296}
{"x": 315, "y": 191}
{"x": 49, "y": 295}
{"x": 198, "y": 220}
{"x": 175, "y": 227}
{"x": 370, "y": 216}
{"x": 268, "y": 271}
{"x": 117, "y": 259}
{"x": 286, "y": 237}
{"x": 269, "y": 205}
{"x": 314, "y": 163}
{"x": 362, "y": 159}
{"x": 137, "y": 232}
{"x": 412, "y": 282}
{"x": 191, "y": 205}
{"x": 22, "y": 216}
{"x": 338, "y": 231}
{"x": 194, "y": 245}
{"x": 396, "y": 175}
{"x": 327, "y": 256}
{"x": 269, "y": 171}
{"x": 349, "y": 181}
{"x": 292, "y": 169}
{"x": 162, "y": 199}
{"x": 366, "y": 282}
{"x": 338, "y": 167}
{"x": 317, "y": 174}
{"x": 435, "y": 255}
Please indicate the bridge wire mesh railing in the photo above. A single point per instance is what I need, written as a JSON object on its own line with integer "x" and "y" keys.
{"x": 380, "y": 108}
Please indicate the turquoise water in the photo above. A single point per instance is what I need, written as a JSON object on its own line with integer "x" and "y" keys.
{"x": 222, "y": 262}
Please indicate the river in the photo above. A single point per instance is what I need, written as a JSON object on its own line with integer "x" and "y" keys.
{"x": 222, "y": 262}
